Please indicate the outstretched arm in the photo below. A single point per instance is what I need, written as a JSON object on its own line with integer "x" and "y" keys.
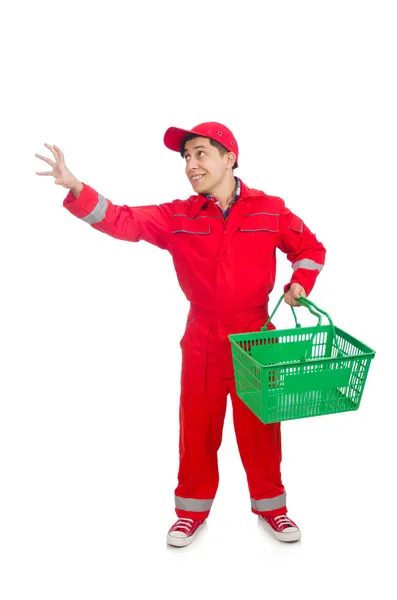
{"x": 149, "y": 223}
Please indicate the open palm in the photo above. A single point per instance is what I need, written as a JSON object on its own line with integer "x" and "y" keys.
{"x": 59, "y": 170}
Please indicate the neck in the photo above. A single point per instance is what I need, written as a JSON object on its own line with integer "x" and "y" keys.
{"x": 224, "y": 191}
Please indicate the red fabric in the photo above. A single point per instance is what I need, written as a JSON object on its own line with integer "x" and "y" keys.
{"x": 207, "y": 379}
{"x": 226, "y": 270}
{"x": 270, "y": 513}
{"x": 189, "y": 514}
{"x": 228, "y": 267}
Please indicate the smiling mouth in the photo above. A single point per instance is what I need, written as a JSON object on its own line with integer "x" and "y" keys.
{"x": 196, "y": 178}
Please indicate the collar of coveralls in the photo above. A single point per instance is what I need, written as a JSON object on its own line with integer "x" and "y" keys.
{"x": 198, "y": 201}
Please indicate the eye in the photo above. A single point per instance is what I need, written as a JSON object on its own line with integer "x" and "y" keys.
{"x": 198, "y": 154}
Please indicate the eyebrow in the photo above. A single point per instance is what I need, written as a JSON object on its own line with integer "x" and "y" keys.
{"x": 195, "y": 148}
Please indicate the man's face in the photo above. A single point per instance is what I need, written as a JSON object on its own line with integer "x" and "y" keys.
{"x": 205, "y": 167}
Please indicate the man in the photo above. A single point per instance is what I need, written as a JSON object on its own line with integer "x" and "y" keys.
{"x": 223, "y": 242}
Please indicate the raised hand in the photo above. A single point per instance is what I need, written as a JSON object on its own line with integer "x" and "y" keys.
{"x": 59, "y": 170}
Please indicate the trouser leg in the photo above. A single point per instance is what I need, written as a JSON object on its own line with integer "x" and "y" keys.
{"x": 260, "y": 450}
{"x": 202, "y": 412}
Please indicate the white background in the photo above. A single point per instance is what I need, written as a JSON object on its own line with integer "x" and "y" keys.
{"x": 90, "y": 325}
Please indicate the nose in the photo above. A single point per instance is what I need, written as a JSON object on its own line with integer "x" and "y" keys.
{"x": 192, "y": 165}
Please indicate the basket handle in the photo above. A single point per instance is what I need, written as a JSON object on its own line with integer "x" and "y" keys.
{"x": 308, "y": 303}
{"x": 316, "y": 314}
{"x": 315, "y": 310}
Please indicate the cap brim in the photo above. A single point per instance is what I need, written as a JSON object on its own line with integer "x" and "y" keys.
{"x": 173, "y": 137}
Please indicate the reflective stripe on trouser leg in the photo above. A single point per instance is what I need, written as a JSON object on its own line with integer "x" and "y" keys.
{"x": 269, "y": 503}
{"x": 98, "y": 213}
{"x": 192, "y": 505}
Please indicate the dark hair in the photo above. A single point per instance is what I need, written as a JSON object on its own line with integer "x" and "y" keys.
{"x": 191, "y": 136}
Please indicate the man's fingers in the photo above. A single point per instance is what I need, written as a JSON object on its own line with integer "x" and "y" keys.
{"x": 61, "y": 158}
{"x": 52, "y": 149}
{"x": 44, "y": 173}
{"x": 47, "y": 160}
{"x": 60, "y": 153}
{"x": 291, "y": 300}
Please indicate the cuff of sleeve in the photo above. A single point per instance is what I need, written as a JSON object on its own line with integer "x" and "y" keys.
{"x": 84, "y": 204}
{"x": 306, "y": 282}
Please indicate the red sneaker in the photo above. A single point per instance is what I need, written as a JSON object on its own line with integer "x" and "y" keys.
{"x": 183, "y": 532}
{"x": 283, "y": 528}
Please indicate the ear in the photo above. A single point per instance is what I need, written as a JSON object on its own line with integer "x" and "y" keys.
{"x": 231, "y": 159}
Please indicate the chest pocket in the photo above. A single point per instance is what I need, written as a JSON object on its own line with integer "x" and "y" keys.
{"x": 181, "y": 224}
{"x": 260, "y": 221}
{"x": 256, "y": 240}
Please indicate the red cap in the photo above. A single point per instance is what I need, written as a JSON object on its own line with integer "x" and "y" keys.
{"x": 215, "y": 131}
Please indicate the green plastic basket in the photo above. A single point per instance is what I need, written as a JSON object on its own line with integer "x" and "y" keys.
{"x": 300, "y": 372}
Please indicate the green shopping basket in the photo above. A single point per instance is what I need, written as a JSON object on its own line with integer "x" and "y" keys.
{"x": 301, "y": 372}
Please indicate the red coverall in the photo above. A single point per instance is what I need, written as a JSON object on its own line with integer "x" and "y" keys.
{"x": 226, "y": 270}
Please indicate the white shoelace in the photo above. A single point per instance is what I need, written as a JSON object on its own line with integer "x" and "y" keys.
{"x": 284, "y": 520}
{"x": 183, "y": 524}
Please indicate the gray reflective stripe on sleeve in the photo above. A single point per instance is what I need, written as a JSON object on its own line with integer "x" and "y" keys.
{"x": 306, "y": 263}
{"x": 192, "y": 504}
{"x": 98, "y": 213}
{"x": 269, "y": 503}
